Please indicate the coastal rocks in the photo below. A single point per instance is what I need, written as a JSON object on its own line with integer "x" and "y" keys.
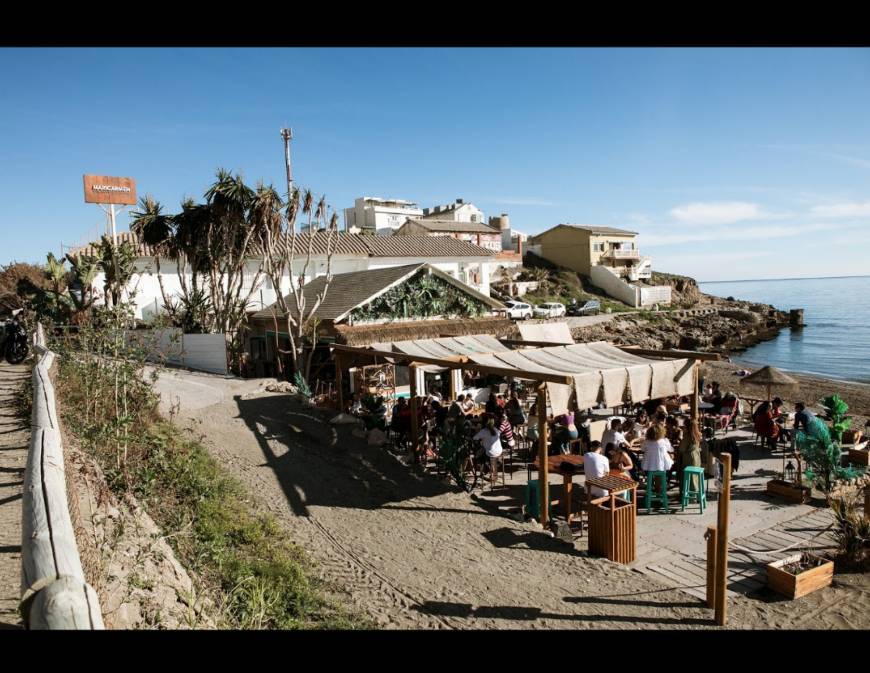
{"x": 740, "y": 315}
{"x": 734, "y": 325}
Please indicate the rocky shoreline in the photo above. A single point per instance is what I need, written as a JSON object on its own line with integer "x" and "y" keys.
{"x": 713, "y": 325}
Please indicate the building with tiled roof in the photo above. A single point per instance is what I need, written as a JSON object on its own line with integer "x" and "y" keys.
{"x": 464, "y": 261}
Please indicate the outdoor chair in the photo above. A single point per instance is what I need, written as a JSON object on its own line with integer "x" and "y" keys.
{"x": 726, "y": 420}
{"x": 507, "y": 455}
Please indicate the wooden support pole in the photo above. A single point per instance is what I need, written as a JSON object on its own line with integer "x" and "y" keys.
{"x": 543, "y": 472}
{"x": 867, "y": 501}
{"x": 695, "y": 414}
{"x": 451, "y": 385}
{"x": 722, "y": 542}
{"x": 412, "y": 371}
{"x": 339, "y": 382}
{"x": 710, "y": 536}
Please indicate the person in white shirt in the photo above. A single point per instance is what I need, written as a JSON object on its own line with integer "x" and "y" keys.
{"x": 595, "y": 465}
{"x": 490, "y": 437}
{"x": 614, "y": 435}
{"x": 657, "y": 450}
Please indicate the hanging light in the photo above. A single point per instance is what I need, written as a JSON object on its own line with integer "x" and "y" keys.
{"x": 789, "y": 472}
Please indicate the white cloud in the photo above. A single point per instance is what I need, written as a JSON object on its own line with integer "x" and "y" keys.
{"x": 719, "y": 212}
{"x": 843, "y": 210}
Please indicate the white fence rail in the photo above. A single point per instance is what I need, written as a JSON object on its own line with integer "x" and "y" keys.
{"x": 54, "y": 593}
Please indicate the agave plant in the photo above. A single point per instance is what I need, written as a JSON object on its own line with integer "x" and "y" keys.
{"x": 835, "y": 412}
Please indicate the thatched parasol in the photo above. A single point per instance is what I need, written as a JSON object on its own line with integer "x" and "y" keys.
{"x": 769, "y": 377}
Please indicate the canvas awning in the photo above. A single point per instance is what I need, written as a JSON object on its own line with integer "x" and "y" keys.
{"x": 447, "y": 347}
{"x": 599, "y": 371}
{"x": 554, "y": 332}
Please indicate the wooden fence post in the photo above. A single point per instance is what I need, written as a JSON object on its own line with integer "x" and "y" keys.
{"x": 543, "y": 472}
{"x": 722, "y": 542}
{"x": 339, "y": 381}
{"x": 710, "y": 536}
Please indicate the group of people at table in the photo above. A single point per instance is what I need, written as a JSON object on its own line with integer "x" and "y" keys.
{"x": 653, "y": 440}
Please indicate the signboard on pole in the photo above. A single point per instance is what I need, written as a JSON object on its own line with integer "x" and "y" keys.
{"x": 107, "y": 189}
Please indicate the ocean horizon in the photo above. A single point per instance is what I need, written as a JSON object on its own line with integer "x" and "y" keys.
{"x": 835, "y": 341}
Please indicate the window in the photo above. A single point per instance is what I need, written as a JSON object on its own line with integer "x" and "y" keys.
{"x": 598, "y": 247}
{"x": 474, "y": 218}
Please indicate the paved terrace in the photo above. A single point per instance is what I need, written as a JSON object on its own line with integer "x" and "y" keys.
{"x": 671, "y": 547}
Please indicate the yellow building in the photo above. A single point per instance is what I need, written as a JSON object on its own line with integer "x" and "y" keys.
{"x": 580, "y": 247}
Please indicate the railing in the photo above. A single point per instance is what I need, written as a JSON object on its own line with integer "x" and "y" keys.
{"x": 54, "y": 593}
{"x": 622, "y": 254}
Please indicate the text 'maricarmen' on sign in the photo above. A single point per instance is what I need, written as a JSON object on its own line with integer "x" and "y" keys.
{"x": 107, "y": 189}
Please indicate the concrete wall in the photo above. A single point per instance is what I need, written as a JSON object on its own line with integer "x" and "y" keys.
{"x": 201, "y": 352}
{"x": 633, "y": 295}
{"x": 655, "y": 294}
{"x": 615, "y": 286}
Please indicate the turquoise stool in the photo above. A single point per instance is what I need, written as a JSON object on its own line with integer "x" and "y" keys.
{"x": 662, "y": 496}
{"x": 689, "y": 493}
{"x": 533, "y": 500}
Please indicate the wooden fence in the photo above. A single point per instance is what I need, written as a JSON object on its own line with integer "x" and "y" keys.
{"x": 54, "y": 593}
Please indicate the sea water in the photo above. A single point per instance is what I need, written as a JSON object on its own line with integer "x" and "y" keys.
{"x": 834, "y": 343}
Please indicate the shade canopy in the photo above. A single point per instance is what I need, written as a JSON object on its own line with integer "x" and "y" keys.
{"x": 554, "y": 332}
{"x": 597, "y": 371}
{"x": 769, "y": 376}
{"x": 600, "y": 372}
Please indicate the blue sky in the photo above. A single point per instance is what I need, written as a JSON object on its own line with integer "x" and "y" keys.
{"x": 731, "y": 163}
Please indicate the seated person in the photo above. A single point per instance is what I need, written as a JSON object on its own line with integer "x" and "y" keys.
{"x": 802, "y": 417}
{"x": 501, "y": 401}
{"x": 673, "y": 431}
{"x": 515, "y": 410}
{"x": 780, "y": 419}
{"x": 506, "y": 429}
{"x": 356, "y": 405}
{"x": 595, "y": 465}
{"x": 455, "y": 409}
{"x": 715, "y": 397}
{"x": 765, "y": 425}
{"x": 613, "y": 434}
{"x": 729, "y": 406}
{"x": 490, "y": 439}
{"x": 631, "y": 431}
{"x": 620, "y": 462}
{"x": 468, "y": 405}
{"x": 492, "y": 404}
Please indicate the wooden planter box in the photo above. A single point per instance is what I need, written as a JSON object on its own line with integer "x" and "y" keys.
{"x": 795, "y": 586}
{"x": 613, "y": 531}
{"x": 789, "y": 491}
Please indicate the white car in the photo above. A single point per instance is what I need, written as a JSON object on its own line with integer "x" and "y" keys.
{"x": 517, "y": 310}
{"x": 550, "y": 310}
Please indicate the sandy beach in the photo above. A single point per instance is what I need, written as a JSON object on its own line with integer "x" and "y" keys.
{"x": 412, "y": 551}
{"x": 810, "y": 390}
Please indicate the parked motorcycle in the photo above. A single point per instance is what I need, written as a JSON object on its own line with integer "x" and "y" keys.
{"x": 14, "y": 343}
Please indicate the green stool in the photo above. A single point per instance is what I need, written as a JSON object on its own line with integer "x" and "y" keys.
{"x": 662, "y": 496}
{"x": 699, "y": 495}
{"x": 533, "y": 500}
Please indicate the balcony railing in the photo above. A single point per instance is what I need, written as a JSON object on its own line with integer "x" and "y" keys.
{"x": 613, "y": 253}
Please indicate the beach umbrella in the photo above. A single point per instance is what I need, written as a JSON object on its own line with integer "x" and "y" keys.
{"x": 768, "y": 377}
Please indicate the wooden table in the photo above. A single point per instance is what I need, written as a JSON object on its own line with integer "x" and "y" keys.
{"x": 554, "y": 464}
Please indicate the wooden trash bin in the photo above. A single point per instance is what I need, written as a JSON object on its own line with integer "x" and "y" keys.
{"x": 613, "y": 520}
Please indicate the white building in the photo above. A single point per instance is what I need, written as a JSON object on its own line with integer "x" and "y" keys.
{"x": 468, "y": 263}
{"x": 458, "y": 211}
{"x": 371, "y": 214}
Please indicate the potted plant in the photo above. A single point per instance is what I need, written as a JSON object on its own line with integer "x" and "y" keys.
{"x": 823, "y": 457}
{"x": 789, "y": 486}
{"x": 798, "y": 575}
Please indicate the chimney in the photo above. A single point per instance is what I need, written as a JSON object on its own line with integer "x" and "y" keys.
{"x": 459, "y": 201}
